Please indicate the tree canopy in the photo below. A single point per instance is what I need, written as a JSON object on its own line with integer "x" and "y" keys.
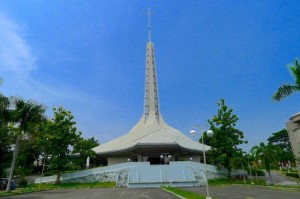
{"x": 28, "y": 137}
{"x": 226, "y": 138}
{"x": 61, "y": 135}
{"x": 84, "y": 148}
{"x": 267, "y": 154}
{"x": 286, "y": 90}
{"x": 282, "y": 141}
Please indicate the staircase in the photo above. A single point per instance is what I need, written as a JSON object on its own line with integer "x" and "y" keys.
{"x": 180, "y": 175}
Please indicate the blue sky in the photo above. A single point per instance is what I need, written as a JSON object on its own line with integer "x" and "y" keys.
{"x": 89, "y": 57}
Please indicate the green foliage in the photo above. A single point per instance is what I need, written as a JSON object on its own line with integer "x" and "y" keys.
{"x": 6, "y": 137}
{"x": 84, "y": 148}
{"x": 25, "y": 121}
{"x": 239, "y": 162}
{"x": 26, "y": 115}
{"x": 286, "y": 90}
{"x": 36, "y": 187}
{"x": 294, "y": 175}
{"x": 266, "y": 153}
{"x": 226, "y": 181}
{"x": 23, "y": 182}
{"x": 257, "y": 172}
{"x": 282, "y": 141}
{"x": 6, "y": 140}
{"x": 226, "y": 138}
{"x": 60, "y": 135}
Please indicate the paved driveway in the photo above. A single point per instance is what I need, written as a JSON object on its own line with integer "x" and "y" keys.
{"x": 217, "y": 192}
{"x": 248, "y": 192}
{"x": 107, "y": 193}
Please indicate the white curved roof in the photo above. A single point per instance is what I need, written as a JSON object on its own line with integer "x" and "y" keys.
{"x": 151, "y": 130}
{"x": 153, "y": 133}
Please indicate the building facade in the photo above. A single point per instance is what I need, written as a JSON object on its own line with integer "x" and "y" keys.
{"x": 151, "y": 139}
{"x": 293, "y": 128}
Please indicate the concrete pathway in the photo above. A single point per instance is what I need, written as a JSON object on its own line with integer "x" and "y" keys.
{"x": 281, "y": 179}
{"x": 247, "y": 192}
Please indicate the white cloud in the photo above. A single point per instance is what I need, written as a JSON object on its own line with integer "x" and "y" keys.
{"x": 15, "y": 53}
{"x": 17, "y": 63}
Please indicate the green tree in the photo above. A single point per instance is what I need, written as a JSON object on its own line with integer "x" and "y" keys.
{"x": 286, "y": 90}
{"x": 26, "y": 115}
{"x": 240, "y": 162}
{"x": 6, "y": 137}
{"x": 61, "y": 135}
{"x": 226, "y": 138}
{"x": 84, "y": 148}
{"x": 281, "y": 139}
{"x": 28, "y": 154}
{"x": 267, "y": 154}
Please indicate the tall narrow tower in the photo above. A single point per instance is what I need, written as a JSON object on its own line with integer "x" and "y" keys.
{"x": 151, "y": 102}
{"x": 151, "y": 136}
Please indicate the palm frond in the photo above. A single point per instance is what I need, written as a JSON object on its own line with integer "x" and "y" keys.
{"x": 284, "y": 91}
{"x": 295, "y": 69}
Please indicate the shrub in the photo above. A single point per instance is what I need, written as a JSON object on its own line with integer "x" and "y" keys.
{"x": 295, "y": 175}
{"x": 256, "y": 171}
{"x": 23, "y": 182}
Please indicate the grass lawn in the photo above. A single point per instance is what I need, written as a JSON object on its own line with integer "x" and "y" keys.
{"x": 36, "y": 187}
{"x": 184, "y": 193}
{"x": 225, "y": 181}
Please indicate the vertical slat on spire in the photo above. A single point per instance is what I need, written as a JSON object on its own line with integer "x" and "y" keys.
{"x": 151, "y": 103}
{"x": 149, "y": 13}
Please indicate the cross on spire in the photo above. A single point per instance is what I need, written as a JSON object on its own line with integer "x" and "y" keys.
{"x": 149, "y": 13}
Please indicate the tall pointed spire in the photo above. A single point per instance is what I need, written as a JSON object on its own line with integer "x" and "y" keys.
{"x": 151, "y": 134}
{"x": 149, "y": 13}
{"x": 151, "y": 103}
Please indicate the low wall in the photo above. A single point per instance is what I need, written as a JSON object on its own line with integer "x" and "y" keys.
{"x": 116, "y": 173}
{"x": 119, "y": 173}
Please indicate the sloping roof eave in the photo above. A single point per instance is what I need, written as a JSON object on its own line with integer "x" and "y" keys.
{"x": 146, "y": 145}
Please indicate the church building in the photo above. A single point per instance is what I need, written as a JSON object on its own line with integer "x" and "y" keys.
{"x": 151, "y": 139}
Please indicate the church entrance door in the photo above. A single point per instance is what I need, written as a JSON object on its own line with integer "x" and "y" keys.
{"x": 154, "y": 160}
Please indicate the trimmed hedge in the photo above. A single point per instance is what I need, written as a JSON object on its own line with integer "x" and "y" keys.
{"x": 295, "y": 175}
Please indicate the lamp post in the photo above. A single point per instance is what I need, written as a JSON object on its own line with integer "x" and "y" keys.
{"x": 128, "y": 160}
{"x": 191, "y": 159}
{"x": 209, "y": 134}
{"x": 163, "y": 158}
{"x": 87, "y": 162}
{"x": 43, "y": 168}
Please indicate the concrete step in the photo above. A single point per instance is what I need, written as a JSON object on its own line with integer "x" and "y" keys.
{"x": 160, "y": 175}
{"x": 159, "y": 184}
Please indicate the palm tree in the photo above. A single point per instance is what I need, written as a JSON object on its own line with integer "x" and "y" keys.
{"x": 26, "y": 114}
{"x": 238, "y": 162}
{"x": 266, "y": 153}
{"x": 253, "y": 163}
{"x": 286, "y": 90}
